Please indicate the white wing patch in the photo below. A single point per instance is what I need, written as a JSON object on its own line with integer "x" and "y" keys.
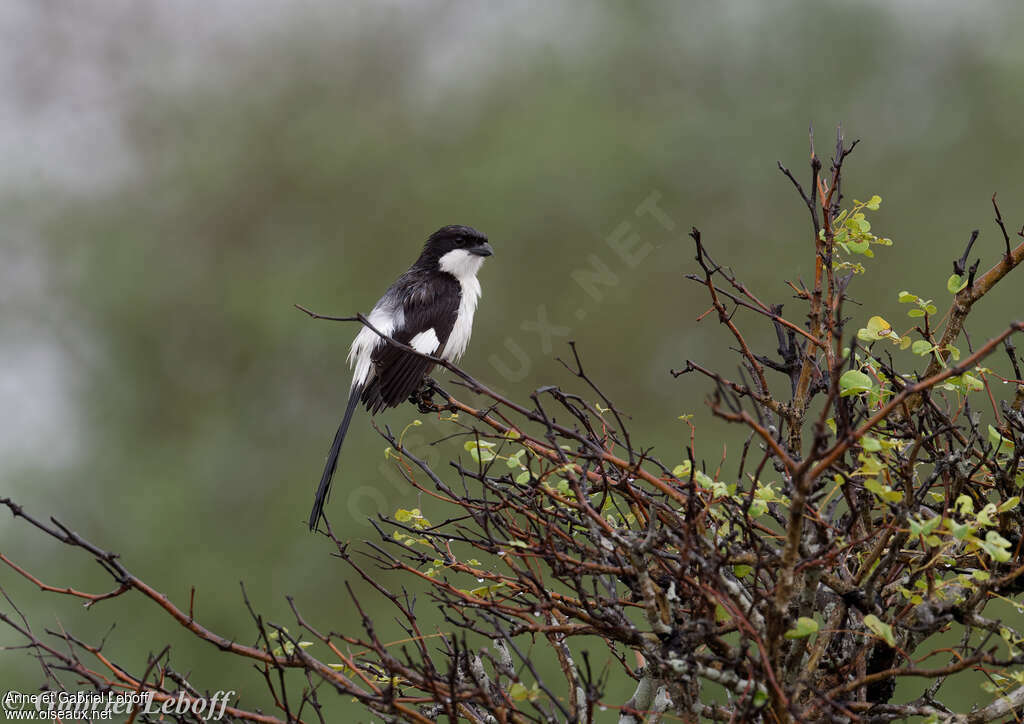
{"x": 425, "y": 342}
{"x": 384, "y": 319}
{"x": 463, "y": 266}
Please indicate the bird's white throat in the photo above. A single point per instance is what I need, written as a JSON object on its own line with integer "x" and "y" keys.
{"x": 460, "y": 263}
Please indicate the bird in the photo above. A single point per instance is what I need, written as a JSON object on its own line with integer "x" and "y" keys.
{"x": 429, "y": 308}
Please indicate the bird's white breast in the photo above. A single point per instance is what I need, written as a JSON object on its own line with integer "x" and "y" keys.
{"x": 463, "y": 266}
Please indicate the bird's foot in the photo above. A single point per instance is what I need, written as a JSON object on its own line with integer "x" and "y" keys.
{"x": 423, "y": 398}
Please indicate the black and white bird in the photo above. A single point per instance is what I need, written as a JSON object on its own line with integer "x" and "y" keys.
{"x": 429, "y": 308}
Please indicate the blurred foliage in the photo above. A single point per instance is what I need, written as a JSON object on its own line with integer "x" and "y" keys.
{"x": 309, "y": 166}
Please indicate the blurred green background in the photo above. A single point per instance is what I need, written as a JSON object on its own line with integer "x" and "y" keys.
{"x": 176, "y": 176}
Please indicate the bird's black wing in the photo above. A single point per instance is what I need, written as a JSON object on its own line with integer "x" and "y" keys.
{"x": 429, "y": 303}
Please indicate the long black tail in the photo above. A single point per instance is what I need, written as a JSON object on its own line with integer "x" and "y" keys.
{"x": 332, "y": 458}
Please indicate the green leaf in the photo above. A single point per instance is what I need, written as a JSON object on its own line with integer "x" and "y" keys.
{"x": 804, "y": 627}
{"x": 883, "y": 491}
{"x": 874, "y": 202}
{"x": 915, "y": 313}
{"x": 683, "y": 470}
{"x": 877, "y": 328}
{"x": 880, "y": 628}
{"x": 921, "y": 347}
{"x": 908, "y": 298}
{"x": 954, "y": 352}
{"x": 952, "y": 384}
{"x": 955, "y": 283}
{"x": 870, "y": 444}
{"x": 1005, "y": 446}
{"x": 931, "y": 308}
{"x": 984, "y": 517}
{"x": 854, "y": 382}
{"x": 959, "y": 530}
{"x": 870, "y": 464}
{"x": 971, "y": 383}
{"x": 996, "y": 546}
{"x": 481, "y": 451}
{"x": 518, "y": 692}
{"x": 924, "y": 527}
{"x": 471, "y": 445}
{"x": 1009, "y": 505}
{"x": 741, "y": 570}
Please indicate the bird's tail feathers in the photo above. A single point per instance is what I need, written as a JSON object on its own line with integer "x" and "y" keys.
{"x": 332, "y": 457}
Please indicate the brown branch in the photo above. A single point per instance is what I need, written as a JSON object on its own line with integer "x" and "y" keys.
{"x": 906, "y": 394}
{"x": 961, "y": 307}
{"x": 725, "y": 318}
{"x": 90, "y": 598}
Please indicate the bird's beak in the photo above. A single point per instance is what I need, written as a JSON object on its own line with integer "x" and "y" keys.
{"x": 482, "y": 250}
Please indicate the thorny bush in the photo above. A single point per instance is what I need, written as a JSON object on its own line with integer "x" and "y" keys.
{"x": 874, "y": 506}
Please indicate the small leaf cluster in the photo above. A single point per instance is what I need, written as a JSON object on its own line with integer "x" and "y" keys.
{"x": 853, "y": 237}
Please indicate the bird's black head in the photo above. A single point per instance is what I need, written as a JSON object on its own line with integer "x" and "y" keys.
{"x": 459, "y": 250}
